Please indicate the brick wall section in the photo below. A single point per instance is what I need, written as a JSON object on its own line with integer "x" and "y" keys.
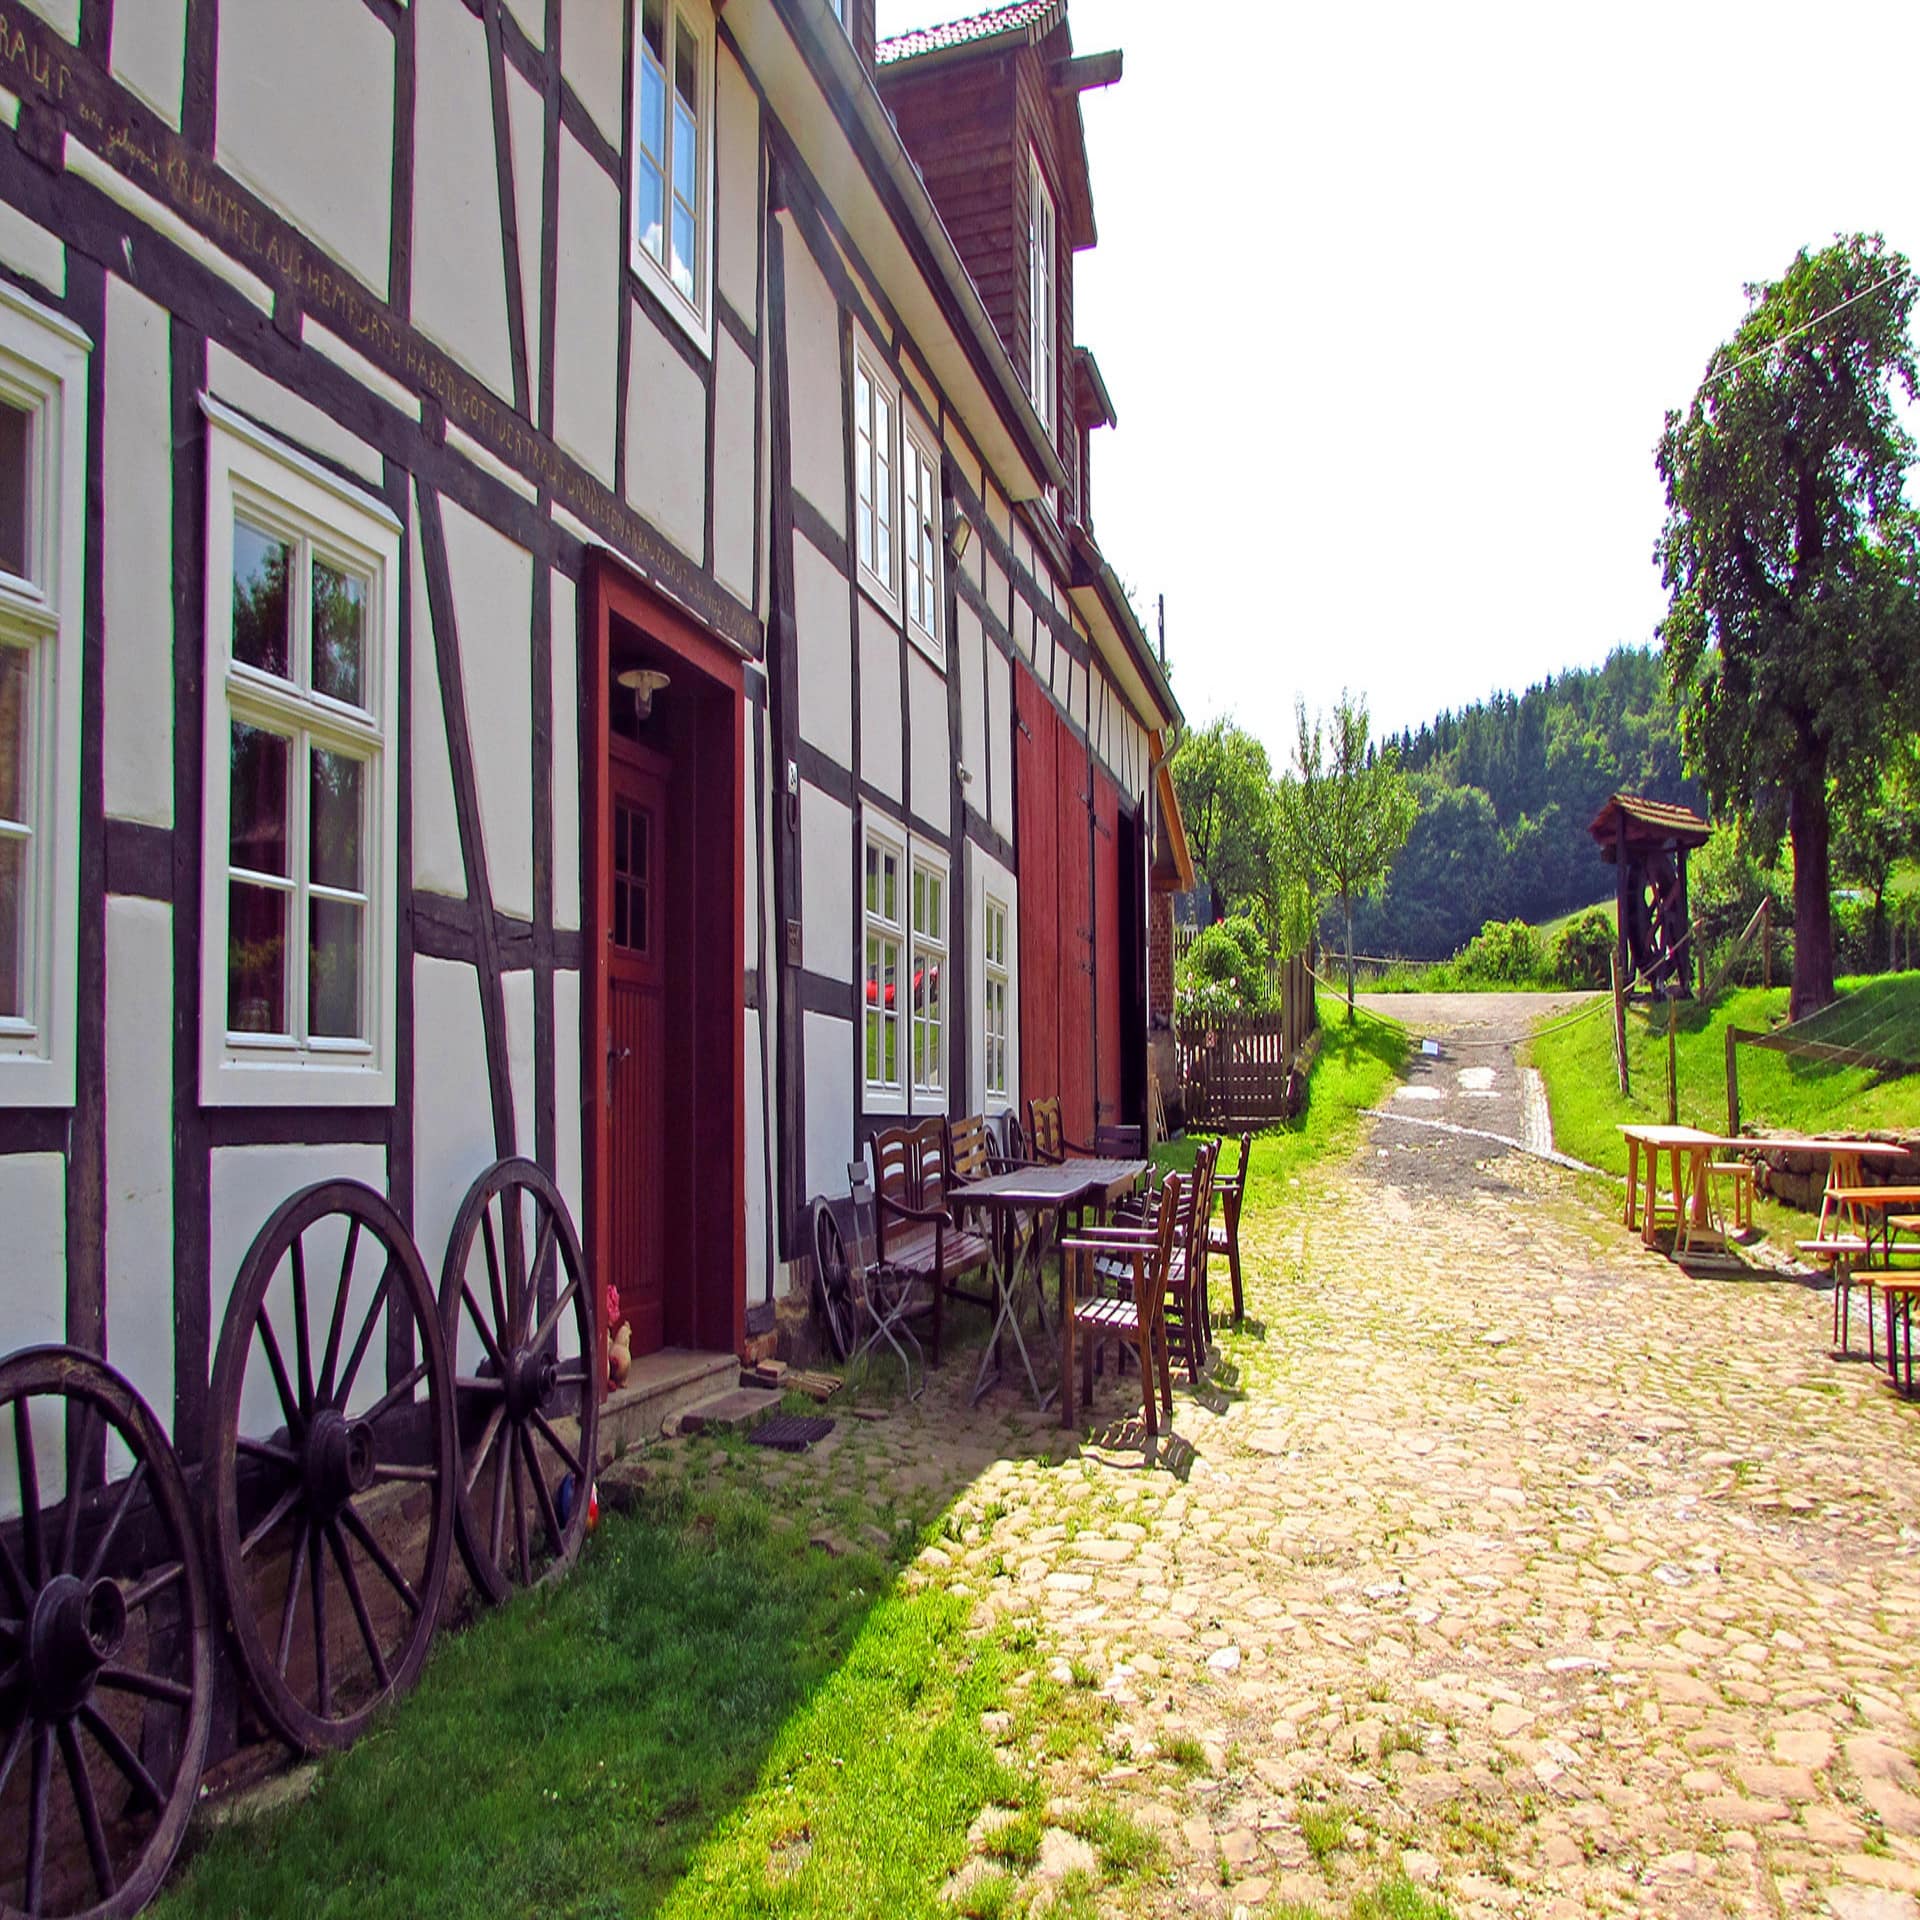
{"x": 1160, "y": 961}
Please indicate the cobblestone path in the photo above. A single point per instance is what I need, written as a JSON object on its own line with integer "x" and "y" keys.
{"x": 1507, "y": 1557}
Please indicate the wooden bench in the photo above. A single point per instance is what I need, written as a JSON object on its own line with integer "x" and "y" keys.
{"x": 915, "y": 1228}
{"x": 1839, "y": 1252}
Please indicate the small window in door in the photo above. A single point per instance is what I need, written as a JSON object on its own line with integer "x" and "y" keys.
{"x": 632, "y": 876}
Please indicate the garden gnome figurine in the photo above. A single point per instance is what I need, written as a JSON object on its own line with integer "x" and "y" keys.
{"x": 620, "y": 1354}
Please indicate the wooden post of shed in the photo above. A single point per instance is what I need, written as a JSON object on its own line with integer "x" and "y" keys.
{"x": 1619, "y": 1023}
{"x": 1684, "y": 974}
{"x": 1733, "y": 1083}
{"x": 1622, "y": 921}
{"x": 1673, "y": 1063}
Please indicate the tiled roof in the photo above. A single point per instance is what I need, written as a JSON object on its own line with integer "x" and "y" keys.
{"x": 1662, "y": 816}
{"x": 1033, "y": 19}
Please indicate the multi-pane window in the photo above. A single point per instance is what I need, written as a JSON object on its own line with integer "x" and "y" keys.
{"x": 921, "y": 478}
{"x": 875, "y": 427}
{"x": 885, "y": 965}
{"x": 301, "y": 805}
{"x": 42, "y": 499}
{"x": 1042, "y": 299}
{"x": 671, "y": 142}
{"x": 999, "y": 992}
{"x": 929, "y": 978}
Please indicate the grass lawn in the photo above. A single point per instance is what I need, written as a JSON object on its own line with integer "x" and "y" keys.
{"x": 1881, "y": 1015}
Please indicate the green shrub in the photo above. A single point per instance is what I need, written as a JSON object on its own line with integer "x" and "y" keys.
{"x": 1223, "y": 975}
{"x": 1504, "y": 953}
{"x": 1582, "y": 954}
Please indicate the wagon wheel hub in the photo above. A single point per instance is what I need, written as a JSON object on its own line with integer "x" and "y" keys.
{"x": 533, "y": 1374}
{"x": 337, "y": 1461}
{"x": 75, "y": 1630}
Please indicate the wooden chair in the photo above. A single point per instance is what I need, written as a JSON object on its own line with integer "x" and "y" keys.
{"x": 864, "y": 1300}
{"x": 915, "y": 1231}
{"x": 1047, "y": 1140}
{"x": 1224, "y": 1239}
{"x": 1118, "y": 1143}
{"x": 1136, "y": 1317}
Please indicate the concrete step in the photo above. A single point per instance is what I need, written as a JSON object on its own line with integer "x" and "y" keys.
{"x": 737, "y": 1411}
{"x": 660, "y": 1386}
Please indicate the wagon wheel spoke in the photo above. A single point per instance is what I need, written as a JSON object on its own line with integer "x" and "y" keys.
{"x": 295, "y": 1568}
{"x": 555, "y": 1532}
{"x": 385, "y": 1471}
{"x": 108, "y": 1739}
{"x": 485, "y": 1332}
{"x": 402, "y": 1389}
{"x": 129, "y": 1488}
{"x": 76, "y": 1486}
{"x": 345, "y": 1389}
{"x": 357, "y": 1600}
{"x": 276, "y": 1364}
{"x": 520, "y": 1519}
{"x": 338, "y": 1325}
{"x": 501, "y": 1318}
{"x": 11, "y": 1757}
{"x": 81, "y": 1780}
{"x": 29, "y": 1495}
{"x": 530, "y": 1294}
{"x": 380, "y": 1557}
{"x": 488, "y": 1435}
{"x": 322, "y": 1661}
{"x": 544, "y": 1331}
{"x": 496, "y": 1539}
{"x": 560, "y": 1447}
{"x": 271, "y": 1519}
{"x": 16, "y": 1580}
{"x": 37, "y": 1813}
{"x": 266, "y": 1450}
{"x": 302, "y": 1339}
{"x": 154, "y": 1584}
{"x": 149, "y": 1686}
{"x": 488, "y": 1389}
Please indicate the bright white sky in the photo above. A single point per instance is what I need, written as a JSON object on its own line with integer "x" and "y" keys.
{"x": 1392, "y": 301}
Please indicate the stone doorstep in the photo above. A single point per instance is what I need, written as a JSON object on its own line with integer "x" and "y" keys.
{"x": 660, "y": 1386}
{"x": 739, "y": 1410}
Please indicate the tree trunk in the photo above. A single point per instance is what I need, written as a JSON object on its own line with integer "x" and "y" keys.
{"x": 1810, "y": 832}
{"x": 1347, "y": 910}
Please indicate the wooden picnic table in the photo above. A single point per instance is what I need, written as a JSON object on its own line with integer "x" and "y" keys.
{"x": 1004, "y": 1198}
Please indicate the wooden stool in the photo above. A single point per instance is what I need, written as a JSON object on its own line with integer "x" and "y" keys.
{"x": 1740, "y": 1173}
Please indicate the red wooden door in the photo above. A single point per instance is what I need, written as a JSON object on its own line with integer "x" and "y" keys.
{"x": 636, "y": 841}
{"x": 1107, "y": 934}
{"x": 1074, "y": 906}
{"x": 1038, "y": 828}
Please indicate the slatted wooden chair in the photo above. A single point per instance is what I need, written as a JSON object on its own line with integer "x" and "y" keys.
{"x": 915, "y": 1230}
{"x": 1118, "y": 1143}
{"x": 1135, "y": 1317}
{"x": 1224, "y": 1237}
{"x": 1047, "y": 1139}
{"x": 1843, "y": 1241}
{"x": 1189, "y": 1320}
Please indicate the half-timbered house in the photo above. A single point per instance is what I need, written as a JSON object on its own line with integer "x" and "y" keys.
{"x": 548, "y": 605}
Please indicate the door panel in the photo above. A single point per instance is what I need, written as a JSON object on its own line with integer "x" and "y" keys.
{"x": 1109, "y": 964}
{"x": 1074, "y": 908}
{"x": 1040, "y": 936}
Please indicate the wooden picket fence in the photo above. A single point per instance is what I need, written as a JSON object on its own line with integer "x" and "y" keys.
{"x": 1240, "y": 1073}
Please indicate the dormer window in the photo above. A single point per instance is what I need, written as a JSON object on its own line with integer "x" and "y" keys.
{"x": 1042, "y": 227}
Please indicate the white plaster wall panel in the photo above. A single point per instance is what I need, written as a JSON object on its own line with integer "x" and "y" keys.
{"x": 826, "y": 884}
{"x": 737, "y": 160}
{"x": 881, "y": 747}
{"x": 931, "y": 766}
{"x": 516, "y": 990}
{"x": 140, "y": 1292}
{"x": 29, "y": 248}
{"x": 564, "y": 628}
{"x": 569, "y": 1117}
{"x": 993, "y": 583}
{"x": 587, "y": 309}
{"x": 493, "y": 604}
{"x": 149, "y": 53}
{"x": 1000, "y": 724}
{"x": 527, "y": 137}
{"x": 971, "y": 558}
{"x": 592, "y": 58}
{"x": 437, "y": 865}
{"x": 733, "y": 471}
{"x": 286, "y": 414}
{"x": 963, "y": 458}
{"x": 246, "y": 1184}
{"x": 966, "y": 656}
{"x": 827, "y": 1046}
{"x": 1060, "y": 675}
{"x": 33, "y": 1203}
{"x": 452, "y": 1100}
{"x": 1022, "y": 548}
{"x": 531, "y": 16}
{"x": 824, "y": 651}
{"x": 63, "y": 16}
{"x": 1078, "y": 702}
{"x": 459, "y": 260}
{"x": 330, "y": 172}
{"x": 667, "y": 438}
{"x": 137, "y": 425}
{"x": 819, "y": 402}
{"x": 923, "y": 392}
{"x": 758, "y": 1278}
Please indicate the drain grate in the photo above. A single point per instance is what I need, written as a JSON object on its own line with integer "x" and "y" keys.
{"x": 790, "y": 1432}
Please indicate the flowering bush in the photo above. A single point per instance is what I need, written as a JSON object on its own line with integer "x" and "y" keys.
{"x": 1222, "y": 976}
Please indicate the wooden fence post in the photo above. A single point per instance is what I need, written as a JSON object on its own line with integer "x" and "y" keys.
{"x": 1733, "y": 1084}
{"x": 1673, "y": 1063}
{"x": 1766, "y": 941}
{"x": 1619, "y": 1026}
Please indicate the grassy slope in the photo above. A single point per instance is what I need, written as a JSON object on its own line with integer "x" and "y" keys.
{"x": 1882, "y": 1015}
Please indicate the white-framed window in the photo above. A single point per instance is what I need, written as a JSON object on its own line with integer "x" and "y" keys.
{"x": 876, "y": 463}
{"x": 43, "y": 479}
{"x": 930, "y": 979}
{"x": 672, "y": 239}
{"x": 301, "y": 801}
{"x": 997, "y": 1073}
{"x": 904, "y": 975}
{"x": 1042, "y": 230}
{"x": 920, "y": 479}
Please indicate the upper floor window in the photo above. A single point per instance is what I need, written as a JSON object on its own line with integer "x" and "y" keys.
{"x": 301, "y": 800}
{"x": 876, "y": 414}
{"x": 998, "y": 1072}
{"x": 673, "y": 156}
{"x": 1041, "y": 292}
{"x": 921, "y": 483}
{"x": 43, "y": 424}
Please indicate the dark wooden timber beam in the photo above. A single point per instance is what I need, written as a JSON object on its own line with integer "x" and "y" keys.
{"x": 1084, "y": 74}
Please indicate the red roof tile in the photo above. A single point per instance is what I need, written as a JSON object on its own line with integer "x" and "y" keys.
{"x": 1032, "y": 19}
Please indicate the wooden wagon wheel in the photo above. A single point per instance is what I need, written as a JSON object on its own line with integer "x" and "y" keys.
{"x": 106, "y": 1643}
{"x": 331, "y": 1495}
{"x": 833, "y": 1283}
{"x": 513, "y": 1288}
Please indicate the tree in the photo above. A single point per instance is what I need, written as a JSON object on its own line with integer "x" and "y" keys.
{"x": 1225, "y": 785}
{"x": 1346, "y": 813}
{"x": 1876, "y": 826}
{"x": 1791, "y": 562}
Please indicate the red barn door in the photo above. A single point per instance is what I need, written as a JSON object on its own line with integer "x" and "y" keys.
{"x": 1075, "y": 910}
{"x": 1111, "y": 1041}
{"x": 1037, "y": 827}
